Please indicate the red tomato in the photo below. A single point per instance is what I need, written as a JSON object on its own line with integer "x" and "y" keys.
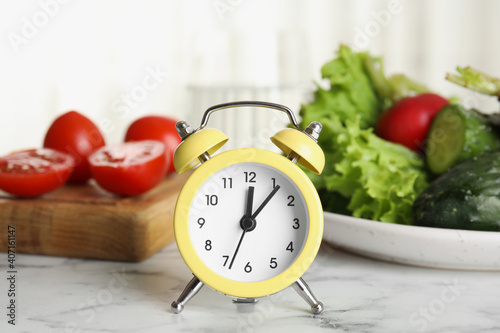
{"x": 78, "y": 136}
{"x": 407, "y": 122}
{"x": 156, "y": 128}
{"x": 34, "y": 172}
{"x": 129, "y": 168}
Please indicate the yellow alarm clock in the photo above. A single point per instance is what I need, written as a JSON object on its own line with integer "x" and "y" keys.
{"x": 248, "y": 222}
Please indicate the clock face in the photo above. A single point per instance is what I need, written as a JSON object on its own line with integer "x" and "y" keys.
{"x": 248, "y": 222}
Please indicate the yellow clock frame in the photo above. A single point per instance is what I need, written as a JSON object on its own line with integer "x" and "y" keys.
{"x": 237, "y": 288}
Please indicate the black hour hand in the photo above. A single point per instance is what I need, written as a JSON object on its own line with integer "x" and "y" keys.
{"x": 263, "y": 204}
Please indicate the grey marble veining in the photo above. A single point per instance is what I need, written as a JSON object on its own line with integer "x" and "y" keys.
{"x": 359, "y": 294}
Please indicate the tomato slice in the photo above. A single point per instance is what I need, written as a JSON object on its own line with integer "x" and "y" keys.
{"x": 159, "y": 128}
{"x": 31, "y": 173}
{"x": 129, "y": 168}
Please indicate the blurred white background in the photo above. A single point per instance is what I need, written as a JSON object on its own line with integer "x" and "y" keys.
{"x": 115, "y": 61}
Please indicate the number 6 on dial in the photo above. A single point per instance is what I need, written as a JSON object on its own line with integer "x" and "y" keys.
{"x": 248, "y": 222}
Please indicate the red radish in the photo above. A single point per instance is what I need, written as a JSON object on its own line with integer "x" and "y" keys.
{"x": 408, "y": 120}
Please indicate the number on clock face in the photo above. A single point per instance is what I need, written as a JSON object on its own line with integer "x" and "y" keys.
{"x": 268, "y": 241}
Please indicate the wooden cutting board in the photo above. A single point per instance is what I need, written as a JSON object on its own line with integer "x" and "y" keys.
{"x": 87, "y": 222}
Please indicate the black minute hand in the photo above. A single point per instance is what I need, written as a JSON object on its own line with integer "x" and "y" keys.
{"x": 263, "y": 204}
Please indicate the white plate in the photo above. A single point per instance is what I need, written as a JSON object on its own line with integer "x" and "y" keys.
{"x": 420, "y": 246}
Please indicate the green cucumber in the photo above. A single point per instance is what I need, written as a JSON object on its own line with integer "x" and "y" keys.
{"x": 457, "y": 134}
{"x": 466, "y": 197}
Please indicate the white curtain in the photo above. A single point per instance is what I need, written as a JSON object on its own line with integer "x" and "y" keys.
{"x": 115, "y": 61}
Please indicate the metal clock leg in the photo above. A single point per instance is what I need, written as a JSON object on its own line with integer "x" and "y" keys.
{"x": 189, "y": 292}
{"x": 303, "y": 290}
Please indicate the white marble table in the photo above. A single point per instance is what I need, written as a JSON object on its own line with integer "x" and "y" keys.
{"x": 359, "y": 294}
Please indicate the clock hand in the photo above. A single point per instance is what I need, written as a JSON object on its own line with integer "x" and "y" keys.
{"x": 263, "y": 204}
{"x": 248, "y": 211}
{"x": 246, "y": 222}
{"x": 237, "y": 248}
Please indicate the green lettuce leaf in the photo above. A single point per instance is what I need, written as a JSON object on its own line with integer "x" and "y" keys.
{"x": 351, "y": 91}
{"x": 476, "y": 80}
{"x": 364, "y": 176}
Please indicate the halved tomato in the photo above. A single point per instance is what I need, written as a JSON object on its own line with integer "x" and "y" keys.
{"x": 159, "y": 128}
{"x": 130, "y": 168}
{"x": 31, "y": 173}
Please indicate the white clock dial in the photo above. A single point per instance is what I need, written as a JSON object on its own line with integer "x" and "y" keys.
{"x": 268, "y": 241}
